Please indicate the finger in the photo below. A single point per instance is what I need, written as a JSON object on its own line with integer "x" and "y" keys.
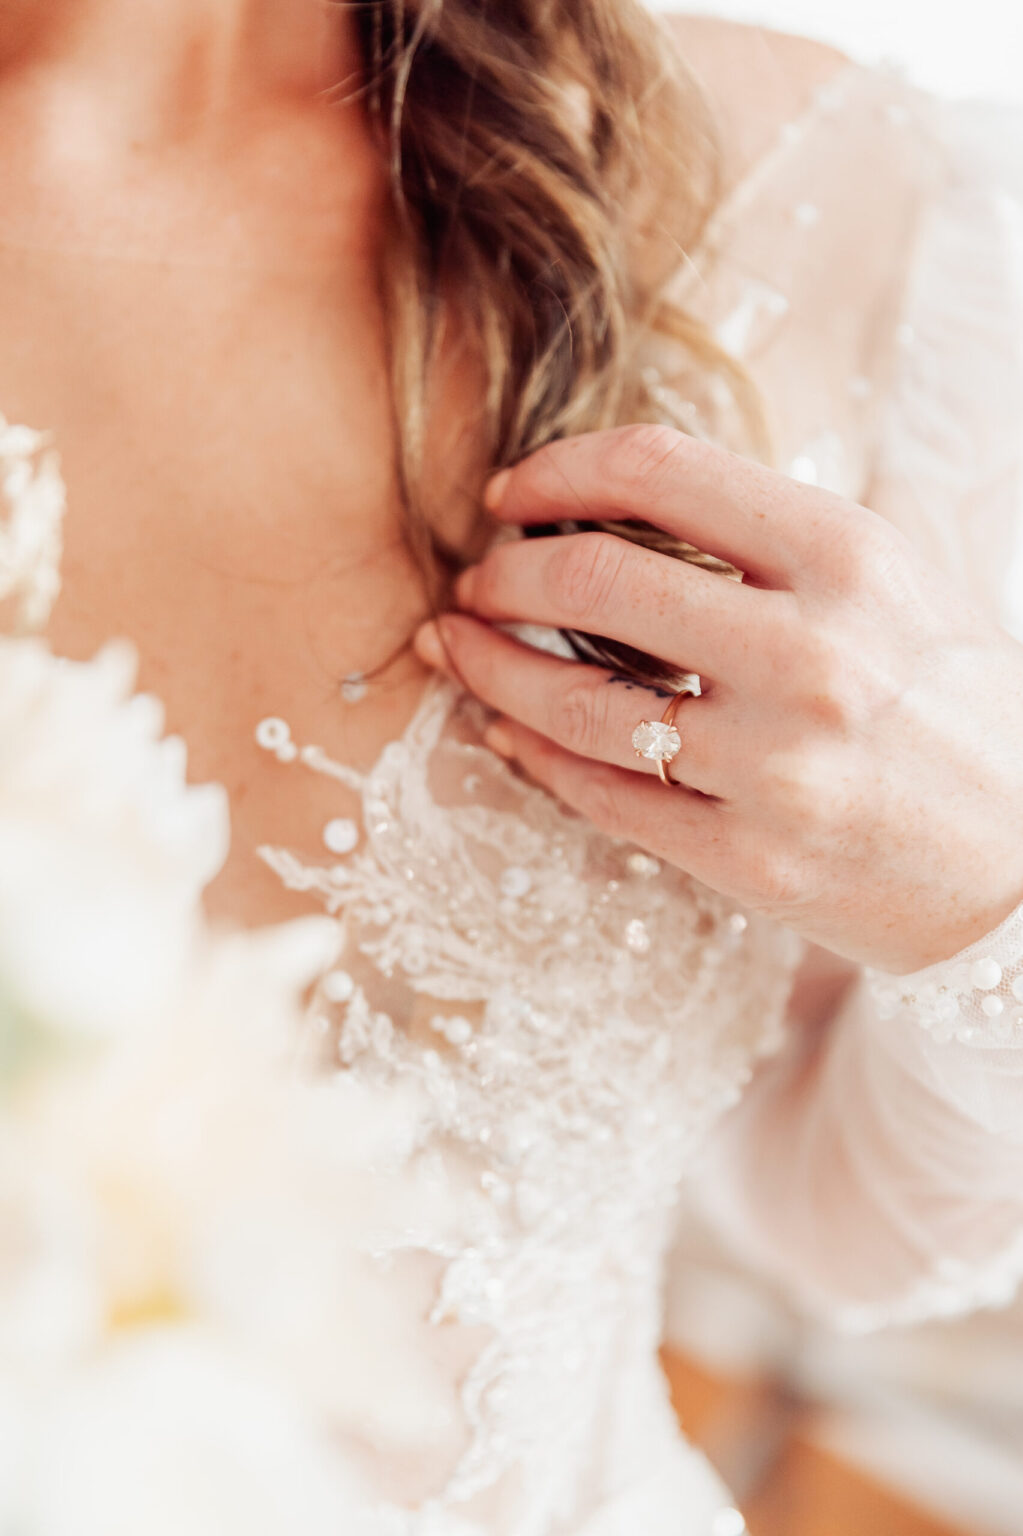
{"x": 585, "y": 709}
{"x": 600, "y": 584}
{"x": 761, "y": 521}
{"x": 682, "y": 826}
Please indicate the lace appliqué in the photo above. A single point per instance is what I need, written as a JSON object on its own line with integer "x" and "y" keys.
{"x": 976, "y": 997}
{"x": 578, "y": 1015}
{"x": 952, "y": 1289}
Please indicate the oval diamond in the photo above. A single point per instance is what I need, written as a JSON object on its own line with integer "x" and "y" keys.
{"x": 656, "y": 740}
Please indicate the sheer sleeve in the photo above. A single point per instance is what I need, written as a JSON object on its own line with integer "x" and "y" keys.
{"x": 875, "y": 1168}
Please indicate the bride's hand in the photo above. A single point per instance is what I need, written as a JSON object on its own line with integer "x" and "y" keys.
{"x": 857, "y": 752}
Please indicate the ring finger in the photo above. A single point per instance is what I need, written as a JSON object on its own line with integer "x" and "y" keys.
{"x": 586, "y": 709}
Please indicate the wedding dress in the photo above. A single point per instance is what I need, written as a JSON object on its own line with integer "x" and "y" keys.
{"x": 577, "y": 1018}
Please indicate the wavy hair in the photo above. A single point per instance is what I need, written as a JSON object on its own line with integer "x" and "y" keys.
{"x": 550, "y": 164}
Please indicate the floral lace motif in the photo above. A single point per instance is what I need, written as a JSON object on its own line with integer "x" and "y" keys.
{"x": 578, "y": 1016}
{"x": 976, "y": 997}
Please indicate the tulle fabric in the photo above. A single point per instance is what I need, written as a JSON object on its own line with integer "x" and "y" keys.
{"x": 577, "y": 1018}
{"x": 876, "y": 1171}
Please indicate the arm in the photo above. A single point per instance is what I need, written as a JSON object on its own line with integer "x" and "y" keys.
{"x": 855, "y": 771}
{"x": 877, "y": 1169}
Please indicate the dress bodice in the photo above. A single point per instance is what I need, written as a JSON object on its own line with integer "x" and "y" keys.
{"x": 575, "y": 1014}
{"x": 572, "y": 1015}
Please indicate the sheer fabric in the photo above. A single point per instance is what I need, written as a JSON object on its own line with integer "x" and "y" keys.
{"x": 579, "y": 1018}
{"x": 878, "y": 1173}
{"x": 576, "y": 1016}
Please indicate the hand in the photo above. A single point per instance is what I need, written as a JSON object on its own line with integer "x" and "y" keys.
{"x": 854, "y": 766}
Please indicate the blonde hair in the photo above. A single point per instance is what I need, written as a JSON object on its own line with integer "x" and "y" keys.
{"x": 550, "y": 163}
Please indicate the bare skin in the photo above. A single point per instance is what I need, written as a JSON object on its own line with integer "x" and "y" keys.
{"x": 853, "y": 769}
{"x": 189, "y": 248}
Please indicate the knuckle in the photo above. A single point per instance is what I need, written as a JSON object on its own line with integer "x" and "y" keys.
{"x": 601, "y": 803}
{"x": 775, "y": 873}
{"x": 859, "y": 548}
{"x": 582, "y": 717}
{"x": 809, "y": 790}
{"x": 829, "y": 682}
{"x": 781, "y": 882}
{"x": 648, "y": 452}
{"x": 584, "y": 574}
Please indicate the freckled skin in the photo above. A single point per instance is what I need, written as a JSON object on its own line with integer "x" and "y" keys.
{"x": 191, "y": 237}
{"x": 869, "y": 799}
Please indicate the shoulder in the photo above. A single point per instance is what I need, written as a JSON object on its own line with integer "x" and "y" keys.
{"x": 755, "y": 80}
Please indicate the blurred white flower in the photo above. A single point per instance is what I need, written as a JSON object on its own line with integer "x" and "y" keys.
{"x": 169, "y": 1432}
{"x": 194, "y": 1334}
{"x": 103, "y": 850}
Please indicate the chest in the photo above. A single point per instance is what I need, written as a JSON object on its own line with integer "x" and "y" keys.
{"x": 210, "y": 354}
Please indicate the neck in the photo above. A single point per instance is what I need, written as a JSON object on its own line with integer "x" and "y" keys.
{"x": 167, "y": 68}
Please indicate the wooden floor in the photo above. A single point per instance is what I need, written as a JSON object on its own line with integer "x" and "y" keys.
{"x": 786, "y": 1485}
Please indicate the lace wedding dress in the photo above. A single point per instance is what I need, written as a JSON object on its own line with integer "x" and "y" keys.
{"x": 578, "y": 1017}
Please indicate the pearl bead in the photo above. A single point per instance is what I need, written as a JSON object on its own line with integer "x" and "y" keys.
{"x": 637, "y": 936}
{"x": 272, "y": 734}
{"x": 353, "y": 687}
{"x": 985, "y": 974}
{"x": 341, "y": 835}
{"x": 640, "y": 863}
{"x": 338, "y": 986}
{"x": 992, "y": 1006}
{"x": 515, "y": 881}
{"x": 1017, "y": 987}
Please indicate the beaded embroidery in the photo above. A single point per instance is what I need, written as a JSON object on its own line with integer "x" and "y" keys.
{"x": 577, "y": 1015}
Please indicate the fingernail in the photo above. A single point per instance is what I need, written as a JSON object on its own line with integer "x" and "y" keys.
{"x": 499, "y": 739}
{"x": 428, "y": 645}
{"x": 496, "y": 487}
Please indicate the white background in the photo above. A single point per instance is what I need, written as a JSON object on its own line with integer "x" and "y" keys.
{"x": 956, "y": 47}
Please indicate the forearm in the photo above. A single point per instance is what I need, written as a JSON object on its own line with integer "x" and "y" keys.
{"x": 876, "y": 1168}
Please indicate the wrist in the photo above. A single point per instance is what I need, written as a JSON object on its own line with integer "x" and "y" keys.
{"x": 975, "y": 995}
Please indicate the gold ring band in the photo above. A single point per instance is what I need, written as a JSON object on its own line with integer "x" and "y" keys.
{"x": 661, "y": 746}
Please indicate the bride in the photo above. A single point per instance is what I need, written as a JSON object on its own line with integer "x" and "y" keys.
{"x": 287, "y": 283}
